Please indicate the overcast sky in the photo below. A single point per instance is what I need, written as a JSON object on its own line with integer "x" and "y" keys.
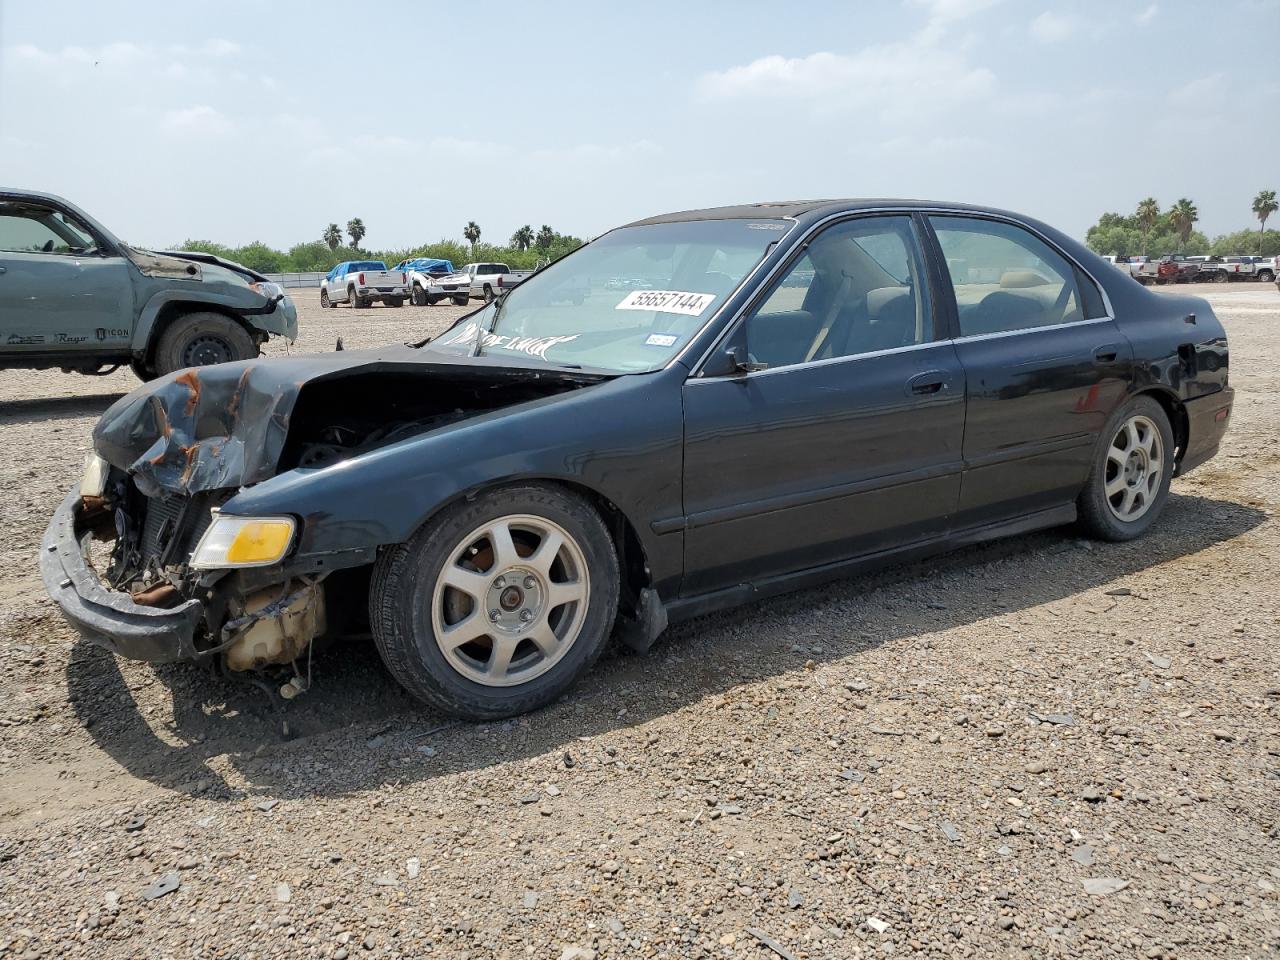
{"x": 242, "y": 121}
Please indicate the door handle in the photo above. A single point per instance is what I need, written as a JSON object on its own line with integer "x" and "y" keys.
{"x": 924, "y": 384}
{"x": 1106, "y": 354}
{"x": 3, "y": 269}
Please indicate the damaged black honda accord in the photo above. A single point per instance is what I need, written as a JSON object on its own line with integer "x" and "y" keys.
{"x": 690, "y": 412}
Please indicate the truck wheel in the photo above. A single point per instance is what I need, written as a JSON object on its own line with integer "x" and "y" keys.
{"x": 418, "y": 297}
{"x": 1221, "y": 277}
{"x": 461, "y": 301}
{"x": 357, "y": 302}
{"x": 199, "y": 339}
{"x": 498, "y": 604}
{"x": 1266, "y": 276}
{"x": 394, "y": 301}
{"x": 488, "y": 294}
{"x": 1132, "y": 467}
{"x": 325, "y": 301}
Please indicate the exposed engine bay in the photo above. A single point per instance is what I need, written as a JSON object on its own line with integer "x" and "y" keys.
{"x": 175, "y": 456}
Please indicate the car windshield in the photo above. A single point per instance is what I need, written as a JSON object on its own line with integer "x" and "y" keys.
{"x": 368, "y": 265}
{"x": 627, "y": 302}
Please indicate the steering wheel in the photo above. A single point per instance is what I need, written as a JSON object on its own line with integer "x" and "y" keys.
{"x": 48, "y": 247}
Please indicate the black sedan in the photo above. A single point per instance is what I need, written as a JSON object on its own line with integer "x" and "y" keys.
{"x": 779, "y": 393}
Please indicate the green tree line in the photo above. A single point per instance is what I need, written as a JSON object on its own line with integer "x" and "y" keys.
{"x": 324, "y": 254}
{"x": 1151, "y": 232}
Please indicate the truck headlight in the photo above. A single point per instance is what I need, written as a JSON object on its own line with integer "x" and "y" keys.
{"x": 265, "y": 288}
{"x": 243, "y": 542}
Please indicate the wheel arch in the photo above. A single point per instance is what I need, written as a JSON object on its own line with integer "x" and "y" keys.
{"x": 172, "y": 310}
{"x": 1176, "y": 411}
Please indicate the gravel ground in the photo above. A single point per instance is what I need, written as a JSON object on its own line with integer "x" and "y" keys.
{"x": 1041, "y": 747}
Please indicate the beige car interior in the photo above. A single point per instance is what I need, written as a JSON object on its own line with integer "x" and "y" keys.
{"x": 851, "y": 306}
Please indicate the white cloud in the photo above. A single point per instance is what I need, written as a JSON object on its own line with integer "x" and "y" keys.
{"x": 949, "y": 11}
{"x": 200, "y": 121}
{"x": 1147, "y": 15}
{"x": 1208, "y": 86}
{"x": 889, "y": 77}
{"x": 595, "y": 153}
{"x": 1051, "y": 28}
{"x": 111, "y": 53}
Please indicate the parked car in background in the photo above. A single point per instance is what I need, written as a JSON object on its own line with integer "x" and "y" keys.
{"x": 431, "y": 281}
{"x": 1176, "y": 268}
{"x": 1225, "y": 269}
{"x": 811, "y": 389}
{"x": 487, "y": 280}
{"x": 74, "y": 297}
{"x": 361, "y": 282}
{"x": 1266, "y": 269}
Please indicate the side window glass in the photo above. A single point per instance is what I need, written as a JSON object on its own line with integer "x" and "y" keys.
{"x": 27, "y": 228}
{"x": 1005, "y": 278}
{"x": 858, "y": 289}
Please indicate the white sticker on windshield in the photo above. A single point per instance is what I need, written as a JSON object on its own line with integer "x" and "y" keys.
{"x": 667, "y": 301}
{"x": 660, "y": 340}
{"x": 534, "y": 346}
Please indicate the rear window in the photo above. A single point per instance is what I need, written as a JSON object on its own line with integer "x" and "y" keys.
{"x": 368, "y": 265}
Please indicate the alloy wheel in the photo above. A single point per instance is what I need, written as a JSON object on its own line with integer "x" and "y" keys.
{"x": 510, "y": 600}
{"x": 1135, "y": 469}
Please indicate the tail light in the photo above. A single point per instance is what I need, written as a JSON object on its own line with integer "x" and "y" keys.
{"x": 361, "y": 279}
{"x": 404, "y": 277}
{"x": 499, "y": 281}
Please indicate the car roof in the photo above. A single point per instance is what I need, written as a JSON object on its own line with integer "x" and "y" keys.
{"x": 797, "y": 209}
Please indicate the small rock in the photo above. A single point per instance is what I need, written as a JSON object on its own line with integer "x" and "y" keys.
{"x": 553, "y": 790}
{"x": 527, "y": 799}
{"x": 569, "y": 762}
{"x": 1004, "y": 851}
{"x": 1102, "y": 886}
{"x": 1159, "y": 662}
{"x": 1037, "y": 766}
{"x": 1225, "y": 735}
{"x": 794, "y": 900}
{"x": 530, "y": 899}
{"x": 887, "y": 732}
{"x": 1057, "y": 719}
{"x": 577, "y": 953}
{"x": 387, "y": 879}
{"x": 853, "y": 776}
{"x": 112, "y": 901}
{"x": 1006, "y": 923}
{"x": 266, "y": 806}
{"x": 188, "y": 863}
{"x": 1083, "y": 856}
{"x": 136, "y": 824}
{"x": 933, "y": 737}
{"x": 950, "y": 831}
{"x": 283, "y": 893}
{"x": 993, "y": 730}
{"x": 1093, "y": 794}
{"x": 428, "y": 751}
{"x": 340, "y": 954}
{"x": 878, "y": 925}
{"x": 1119, "y": 592}
{"x": 412, "y": 867}
{"x": 162, "y": 887}
{"x": 369, "y": 942}
{"x": 610, "y": 867}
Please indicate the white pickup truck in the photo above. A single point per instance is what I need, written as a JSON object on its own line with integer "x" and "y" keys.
{"x": 488, "y": 280}
{"x": 360, "y": 282}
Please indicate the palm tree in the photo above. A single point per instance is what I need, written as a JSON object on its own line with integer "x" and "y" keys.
{"x": 1264, "y": 205}
{"x": 332, "y": 236}
{"x": 472, "y": 233}
{"x": 546, "y": 237}
{"x": 522, "y": 239}
{"x": 1148, "y": 217}
{"x": 1182, "y": 218}
{"x": 355, "y": 229}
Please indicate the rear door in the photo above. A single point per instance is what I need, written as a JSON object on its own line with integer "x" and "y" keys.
{"x": 848, "y": 442}
{"x": 60, "y": 291}
{"x": 1044, "y": 362}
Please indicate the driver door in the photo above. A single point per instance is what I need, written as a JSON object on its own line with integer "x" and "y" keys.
{"x": 59, "y": 293}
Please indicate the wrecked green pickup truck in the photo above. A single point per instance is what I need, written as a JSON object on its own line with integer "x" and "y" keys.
{"x": 74, "y": 297}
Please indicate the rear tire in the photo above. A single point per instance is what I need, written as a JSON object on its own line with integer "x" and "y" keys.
{"x": 488, "y": 294}
{"x": 1132, "y": 466}
{"x": 394, "y": 301}
{"x": 418, "y": 297}
{"x": 357, "y": 302}
{"x": 461, "y": 301}
{"x": 454, "y": 570}
{"x": 1266, "y": 276}
{"x": 200, "y": 339}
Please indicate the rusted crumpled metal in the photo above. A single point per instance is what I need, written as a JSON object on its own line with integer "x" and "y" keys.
{"x": 207, "y": 428}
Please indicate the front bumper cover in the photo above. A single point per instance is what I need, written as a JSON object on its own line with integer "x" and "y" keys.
{"x": 109, "y": 618}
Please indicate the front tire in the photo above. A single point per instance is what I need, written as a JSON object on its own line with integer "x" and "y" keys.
{"x": 1129, "y": 483}
{"x": 201, "y": 339}
{"x": 1266, "y": 276}
{"x": 498, "y": 604}
{"x": 461, "y": 301}
{"x": 325, "y": 301}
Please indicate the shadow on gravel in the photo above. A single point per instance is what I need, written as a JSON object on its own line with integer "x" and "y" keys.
{"x": 47, "y": 408}
{"x": 356, "y": 729}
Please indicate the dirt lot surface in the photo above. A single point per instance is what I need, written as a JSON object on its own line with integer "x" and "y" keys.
{"x": 1042, "y": 747}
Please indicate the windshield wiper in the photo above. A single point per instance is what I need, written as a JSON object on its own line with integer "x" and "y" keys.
{"x": 498, "y": 302}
